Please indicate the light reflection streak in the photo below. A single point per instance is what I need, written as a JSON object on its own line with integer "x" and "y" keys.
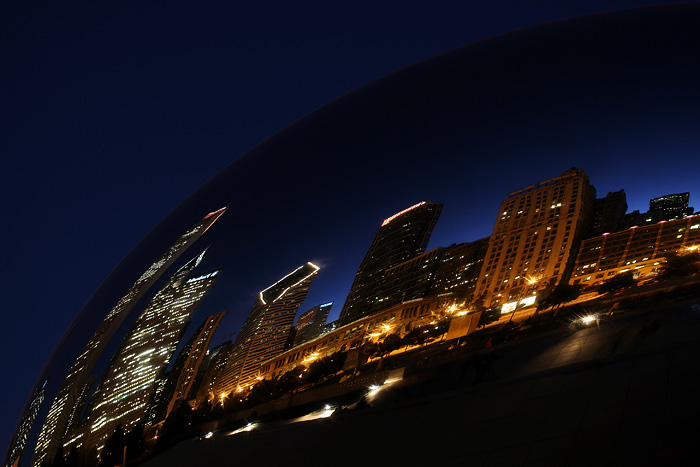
{"x": 248, "y": 427}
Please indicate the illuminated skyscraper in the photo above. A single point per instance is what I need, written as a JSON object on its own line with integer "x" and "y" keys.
{"x": 266, "y": 330}
{"x": 186, "y": 367}
{"x": 401, "y": 237}
{"x": 19, "y": 441}
{"x": 673, "y": 206}
{"x": 311, "y": 323}
{"x": 213, "y": 365}
{"x": 63, "y": 406}
{"x": 664, "y": 208}
{"x": 126, "y": 388}
{"x": 535, "y": 235}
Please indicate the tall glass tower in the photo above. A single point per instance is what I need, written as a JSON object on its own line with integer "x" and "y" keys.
{"x": 266, "y": 330}
{"x": 20, "y": 439}
{"x": 401, "y": 237}
{"x": 64, "y": 409}
{"x": 126, "y": 388}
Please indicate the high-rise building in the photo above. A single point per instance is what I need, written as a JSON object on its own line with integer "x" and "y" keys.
{"x": 19, "y": 441}
{"x": 411, "y": 279}
{"x": 126, "y": 388}
{"x": 213, "y": 365}
{"x": 311, "y": 323}
{"x": 640, "y": 250}
{"x": 459, "y": 268}
{"x": 194, "y": 353}
{"x": 664, "y": 208}
{"x": 673, "y": 206}
{"x": 265, "y": 332}
{"x": 400, "y": 238}
{"x": 64, "y": 404}
{"x": 535, "y": 238}
{"x": 608, "y": 213}
{"x": 173, "y": 386}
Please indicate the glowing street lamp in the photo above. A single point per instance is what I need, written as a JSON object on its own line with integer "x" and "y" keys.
{"x": 311, "y": 357}
{"x": 532, "y": 280}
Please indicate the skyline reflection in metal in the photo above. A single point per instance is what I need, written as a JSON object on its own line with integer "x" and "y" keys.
{"x": 451, "y": 127}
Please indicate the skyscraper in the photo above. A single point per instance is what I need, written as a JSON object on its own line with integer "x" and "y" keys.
{"x": 19, "y": 441}
{"x": 125, "y": 390}
{"x": 664, "y": 208}
{"x": 534, "y": 239}
{"x": 401, "y": 237}
{"x": 64, "y": 405}
{"x": 194, "y": 353}
{"x": 266, "y": 330}
{"x": 608, "y": 213}
{"x": 458, "y": 272}
{"x": 213, "y": 365}
{"x": 674, "y": 206}
{"x": 311, "y": 323}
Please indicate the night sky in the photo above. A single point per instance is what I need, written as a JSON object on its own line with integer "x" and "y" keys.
{"x": 113, "y": 115}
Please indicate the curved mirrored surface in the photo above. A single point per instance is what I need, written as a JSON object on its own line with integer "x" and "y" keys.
{"x": 398, "y": 236}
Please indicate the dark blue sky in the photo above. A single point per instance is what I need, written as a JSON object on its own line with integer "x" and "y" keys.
{"x": 112, "y": 115}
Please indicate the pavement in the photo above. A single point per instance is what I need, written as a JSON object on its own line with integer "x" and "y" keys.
{"x": 625, "y": 391}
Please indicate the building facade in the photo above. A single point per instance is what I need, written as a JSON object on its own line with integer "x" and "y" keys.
{"x": 638, "y": 249}
{"x": 174, "y": 386}
{"x": 664, "y": 208}
{"x": 454, "y": 269}
{"x": 400, "y": 238}
{"x": 535, "y": 235}
{"x": 19, "y": 441}
{"x": 608, "y": 213}
{"x": 125, "y": 390}
{"x": 266, "y": 330}
{"x": 459, "y": 268}
{"x": 64, "y": 408}
{"x": 311, "y": 323}
{"x": 399, "y": 319}
{"x": 674, "y": 206}
{"x": 194, "y": 356}
{"x": 213, "y": 365}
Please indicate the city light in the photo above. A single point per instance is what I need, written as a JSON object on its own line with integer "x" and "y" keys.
{"x": 248, "y": 427}
{"x": 532, "y": 280}
{"x": 312, "y": 357}
{"x": 588, "y": 319}
{"x": 585, "y": 320}
{"x": 326, "y": 412}
{"x": 389, "y": 219}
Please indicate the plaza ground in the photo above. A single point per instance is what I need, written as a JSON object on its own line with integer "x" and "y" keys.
{"x": 622, "y": 391}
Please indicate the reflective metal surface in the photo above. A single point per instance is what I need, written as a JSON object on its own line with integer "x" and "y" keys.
{"x": 285, "y": 227}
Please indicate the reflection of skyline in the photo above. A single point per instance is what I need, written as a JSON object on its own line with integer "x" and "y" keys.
{"x": 19, "y": 441}
{"x": 643, "y": 151}
{"x": 421, "y": 284}
{"x": 267, "y": 328}
{"x": 400, "y": 238}
{"x": 125, "y": 390}
{"x": 64, "y": 411}
{"x": 536, "y": 233}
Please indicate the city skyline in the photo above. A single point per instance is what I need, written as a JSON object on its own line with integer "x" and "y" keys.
{"x": 267, "y": 331}
{"x": 640, "y": 189}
